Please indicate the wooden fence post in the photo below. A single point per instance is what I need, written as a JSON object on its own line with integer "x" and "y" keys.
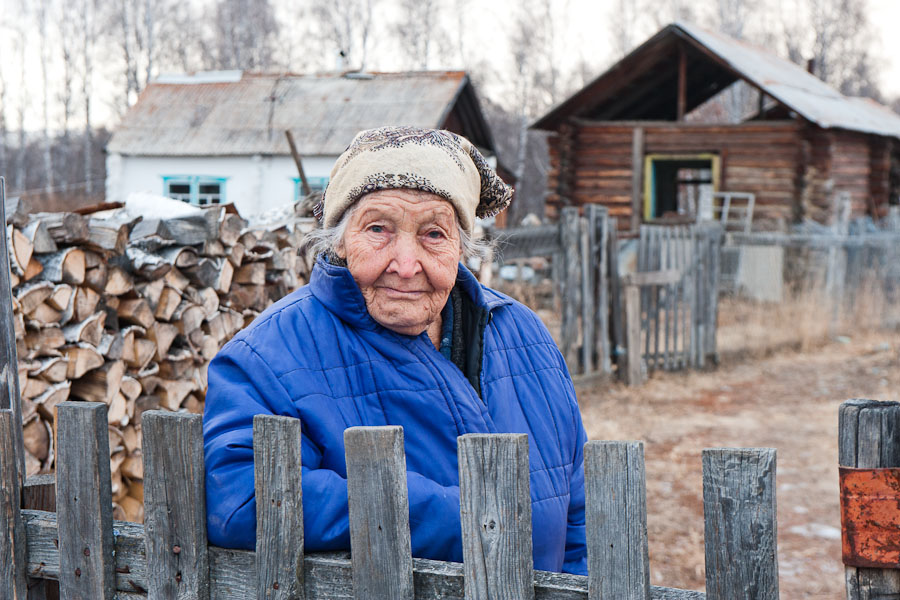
{"x": 588, "y": 295}
{"x": 598, "y": 216}
{"x": 634, "y": 373}
{"x": 869, "y": 438}
{"x": 616, "y": 516}
{"x": 13, "y": 584}
{"x": 9, "y": 366}
{"x": 740, "y": 524}
{"x": 175, "y": 506}
{"x": 495, "y": 512}
{"x": 379, "y": 513}
{"x": 570, "y": 240}
{"x": 84, "y": 502}
{"x": 616, "y": 301}
{"x": 279, "y": 507}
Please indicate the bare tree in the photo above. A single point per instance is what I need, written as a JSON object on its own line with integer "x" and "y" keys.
{"x": 245, "y": 32}
{"x": 419, "y": 31}
{"x": 623, "y": 26}
{"x": 345, "y": 26}
{"x": 42, "y": 19}
{"x": 88, "y": 38}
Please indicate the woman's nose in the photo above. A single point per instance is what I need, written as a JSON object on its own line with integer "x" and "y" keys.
{"x": 405, "y": 261}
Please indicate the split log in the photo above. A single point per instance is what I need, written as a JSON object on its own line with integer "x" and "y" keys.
{"x": 90, "y": 330}
{"x": 236, "y": 254}
{"x": 248, "y": 296}
{"x": 143, "y": 351}
{"x": 133, "y": 510}
{"x": 20, "y": 250}
{"x": 168, "y": 303}
{"x": 37, "y": 233}
{"x": 46, "y": 402}
{"x": 181, "y": 257}
{"x": 93, "y": 259}
{"x": 51, "y": 369}
{"x": 130, "y": 387}
{"x": 136, "y": 311}
{"x": 60, "y": 296}
{"x": 209, "y": 300}
{"x": 117, "y": 409}
{"x": 162, "y": 334}
{"x": 258, "y": 253}
{"x": 145, "y": 264}
{"x": 32, "y": 388}
{"x": 108, "y": 235}
{"x": 142, "y": 405}
{"x": 178, "y": 365}
{"x": 65, "y": 228}
{"x": 45, "y": 314}
{"x": 37, "y": 439}
{"x": 230, "y": 229}
{"x": 249, "y": 239}
{"x": 33, "y": 269}
{"x": 133, "y": 467}
{"x": 131, "y": 438}
{"x": 111, "y": 345}
{"x": 192, "y": 405}
{"x": 45, "y": 341}
{"x": 213, "y": 249}
{"x": 172, "y": 393}
{"x": 177, "y": 280}
{"x": 118, "y": 282}
{"x": 82, "y": 358}
{"x": 216, "y": 274}
{"x": 32, "y": 295}
{"x": 151, "y": 291}
{"x": 86, "y": 301}
{"x": 101, "y": 384}
{"x": 215, "y": 327}
{"x": 64, "y": 266}
{"x": 251, "y": 273}
{"x": 188, "y": 317}
{"x": 96, "y": 277}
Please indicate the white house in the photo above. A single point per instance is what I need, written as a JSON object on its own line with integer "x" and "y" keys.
{"x": 220, "y": 137}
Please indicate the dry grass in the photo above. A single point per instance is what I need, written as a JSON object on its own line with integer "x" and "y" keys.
{"x": 804, "y": 320}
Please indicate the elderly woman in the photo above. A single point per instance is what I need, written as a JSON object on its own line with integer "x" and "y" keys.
{"x": 393, "y": 330}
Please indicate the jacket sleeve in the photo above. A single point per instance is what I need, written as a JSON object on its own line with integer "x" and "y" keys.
{"x": 576, "y": 545}
{"x": 242, "y": 385}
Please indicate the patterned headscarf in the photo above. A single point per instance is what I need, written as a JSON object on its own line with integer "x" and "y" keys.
{"x": 431, "y": 160}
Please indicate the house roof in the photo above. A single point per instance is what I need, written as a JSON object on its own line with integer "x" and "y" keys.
{"x": 233, "y": 114}
{"x": 644, "y": 84}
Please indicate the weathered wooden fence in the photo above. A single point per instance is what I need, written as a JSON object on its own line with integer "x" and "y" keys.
{"x": 677, "y": 275}
{"x": 670, "y": 303}
{"x": 92, "y": 556}
{"x": 579, "y": 250}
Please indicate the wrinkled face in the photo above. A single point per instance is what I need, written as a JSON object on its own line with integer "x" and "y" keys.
{"x": 403, "y": 248}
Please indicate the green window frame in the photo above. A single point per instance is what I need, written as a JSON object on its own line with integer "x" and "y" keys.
{"x": 199, "y": 190}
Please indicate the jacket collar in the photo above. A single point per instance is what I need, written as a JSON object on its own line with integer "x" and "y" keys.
{"x": 334, "y": 287}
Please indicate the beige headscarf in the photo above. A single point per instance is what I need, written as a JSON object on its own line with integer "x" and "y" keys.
{"x": 431, "y": 160}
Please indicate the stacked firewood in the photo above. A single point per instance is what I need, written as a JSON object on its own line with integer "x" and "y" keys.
{"x": 129, "y": 311}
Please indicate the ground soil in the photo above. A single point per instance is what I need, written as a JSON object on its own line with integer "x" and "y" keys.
{"x": 789, "y": 401}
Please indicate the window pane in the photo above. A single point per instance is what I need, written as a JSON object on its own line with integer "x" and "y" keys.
{"x": 209, "y": 188}
{"x": 179, "y": 188}
{"x": 209, "y": 193}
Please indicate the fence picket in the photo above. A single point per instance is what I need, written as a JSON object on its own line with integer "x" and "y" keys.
{"x": 616, "y": 518}
{"x": 379, "y": 513}
{"x": 279, "y": 507}
{"x": 600, "y": 243}
{"x": 175, "y": 506}
{"x": 84, "y": 502}
{"x": 587, "y": 297}
{"x": 13, "y": 584}
{"x": 870, "y": 439}
{"x": 495, "y": 511}
{"x": 740, "y": 530}
{"x": 570, "y": 240}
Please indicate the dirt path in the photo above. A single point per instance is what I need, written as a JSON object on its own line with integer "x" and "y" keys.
{"x": 788, "y": 401}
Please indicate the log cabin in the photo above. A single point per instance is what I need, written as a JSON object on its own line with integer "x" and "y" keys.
{"x": 640, "y": 139}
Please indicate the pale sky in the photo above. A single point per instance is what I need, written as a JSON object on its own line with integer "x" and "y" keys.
{"x": 585, "y": 23}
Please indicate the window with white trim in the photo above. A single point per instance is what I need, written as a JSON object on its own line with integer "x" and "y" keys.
{"x": 195, "y": 189}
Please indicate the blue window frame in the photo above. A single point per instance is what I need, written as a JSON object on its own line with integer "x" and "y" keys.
{"x": 199, "y": 190}
{"x": 316, "y": 184}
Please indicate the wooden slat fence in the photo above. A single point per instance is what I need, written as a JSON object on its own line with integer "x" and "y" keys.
{"x": 92, "y": 556}
{"x": 579, "y": 250}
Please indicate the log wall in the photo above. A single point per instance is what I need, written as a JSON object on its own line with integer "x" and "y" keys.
{"x": 793, "y": 168}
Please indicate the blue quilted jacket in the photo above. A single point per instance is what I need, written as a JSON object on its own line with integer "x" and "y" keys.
{"x": 317, "y": 355}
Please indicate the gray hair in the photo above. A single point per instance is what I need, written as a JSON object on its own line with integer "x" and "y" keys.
{"x": 327, "y": 239}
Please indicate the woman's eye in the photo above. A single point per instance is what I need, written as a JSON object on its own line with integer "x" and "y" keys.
{"x": 376, "y": 228}
{"x": 434, "y": 235}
